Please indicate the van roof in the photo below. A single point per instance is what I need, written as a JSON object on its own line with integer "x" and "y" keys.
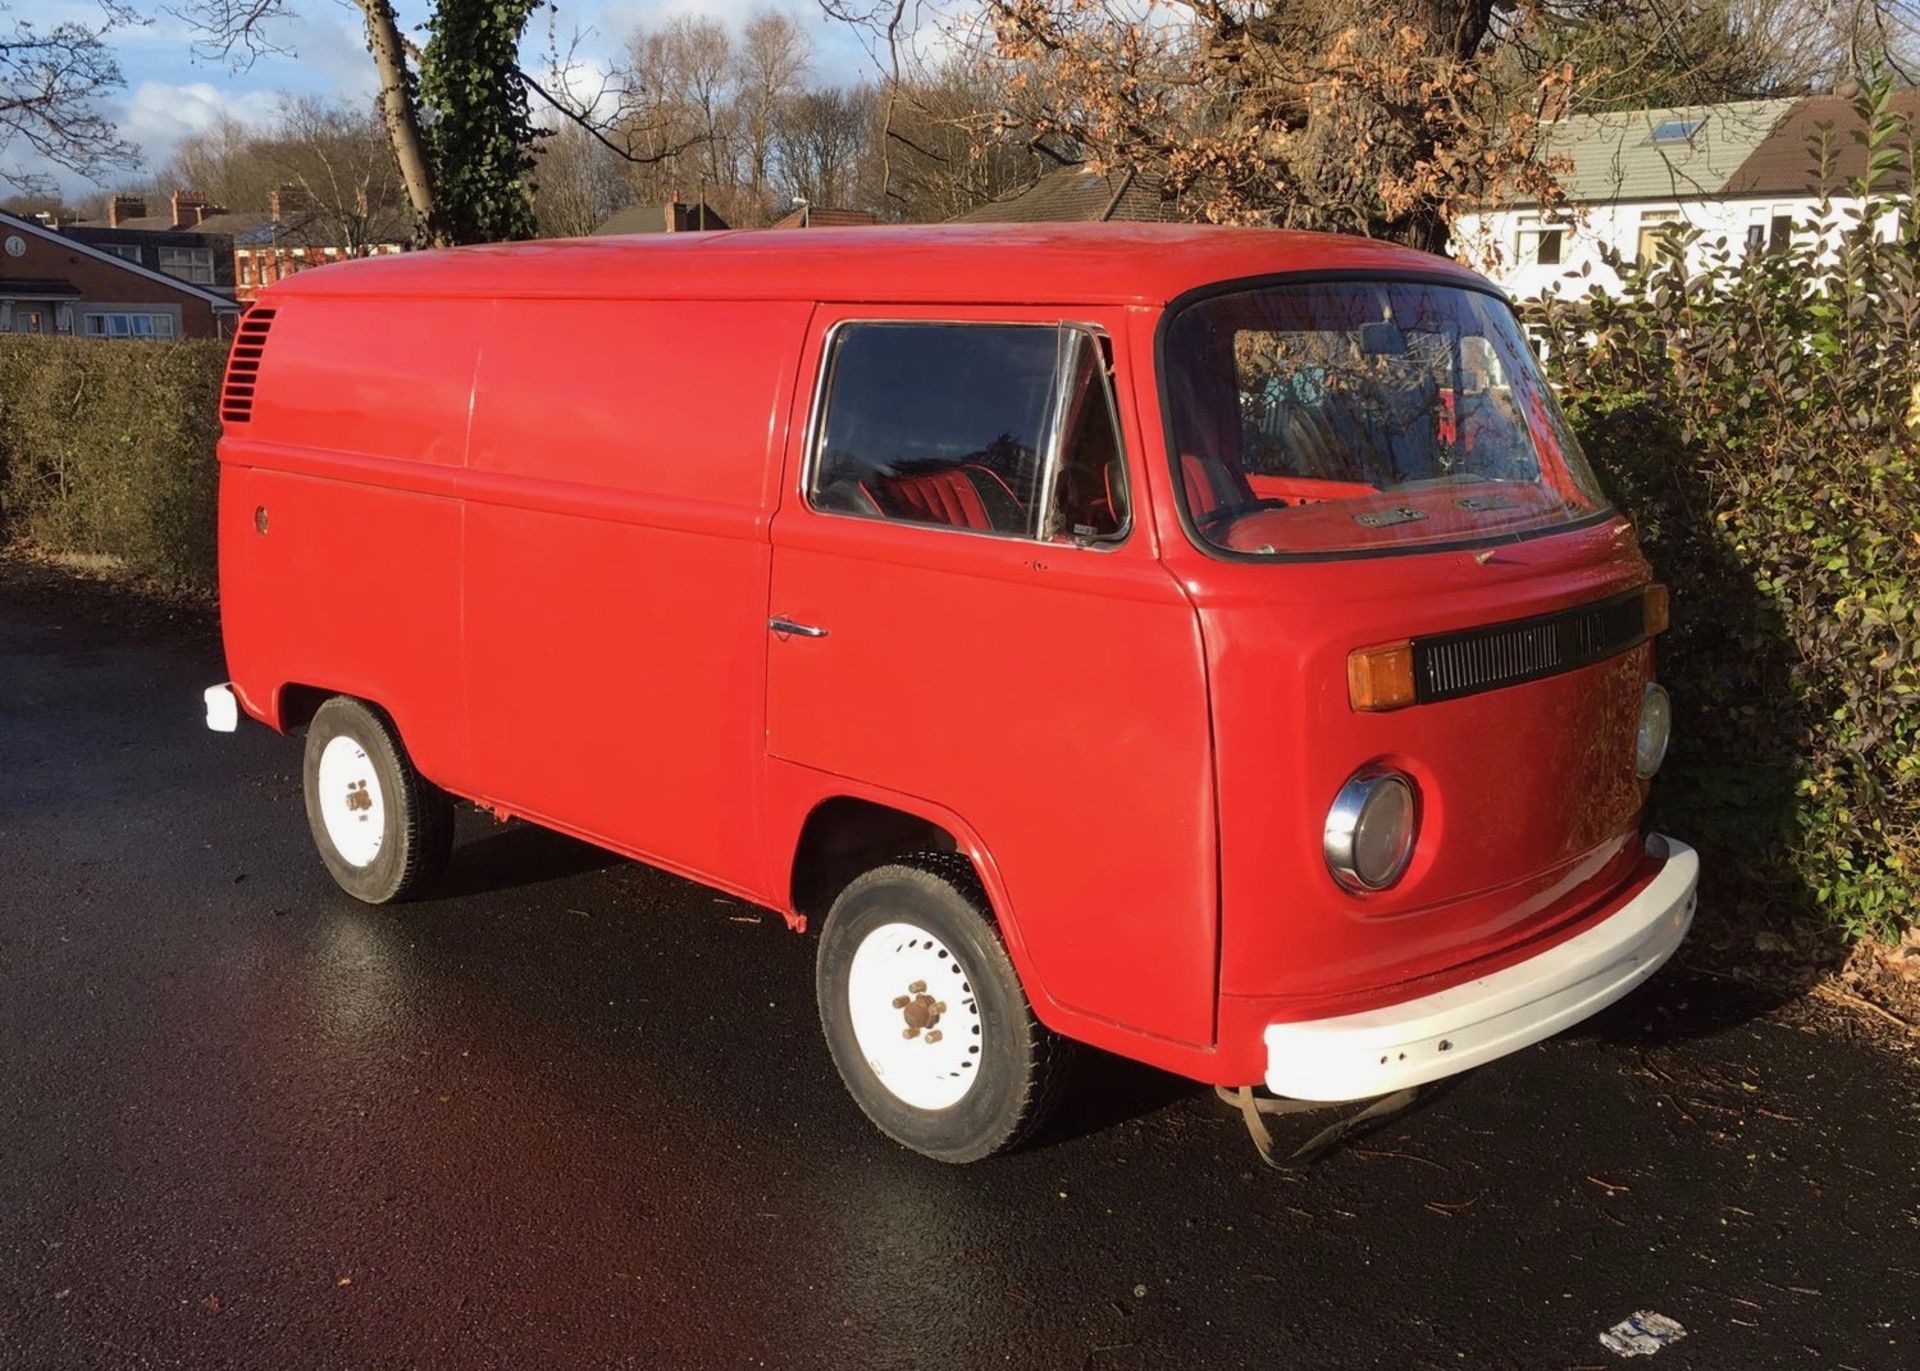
{"x": 943, "y": 264}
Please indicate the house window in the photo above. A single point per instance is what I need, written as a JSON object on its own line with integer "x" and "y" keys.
{"x": 128, "y": 325}
{"x": 189, "y": 264}
{"x": 126, "y": 252}
{"x": 1780, "y": 232}
{"x": 1675, "y": 130}
{"x": 1538, "y": 244}
{"x": 1656, "y": 234}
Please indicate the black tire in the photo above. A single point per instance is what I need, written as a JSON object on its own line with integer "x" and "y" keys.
{"x": 1021, "y": 1064}
{"x": 417, "y": 833}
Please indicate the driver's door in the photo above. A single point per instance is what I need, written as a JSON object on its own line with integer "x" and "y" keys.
{"x": 949, "y": 630}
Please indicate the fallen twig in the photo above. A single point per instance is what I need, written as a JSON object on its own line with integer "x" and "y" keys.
{"x": 1369, "y": 1153}
{"x": 1839, "y": 996}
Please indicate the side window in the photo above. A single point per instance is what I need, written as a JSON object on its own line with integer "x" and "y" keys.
{"x": 1089, "y": 498}
{"x": 968, "y": 426}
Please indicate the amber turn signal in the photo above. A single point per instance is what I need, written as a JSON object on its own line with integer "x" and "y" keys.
{"x": 1381, "y": 677}
{"x": 1656, "y": 608}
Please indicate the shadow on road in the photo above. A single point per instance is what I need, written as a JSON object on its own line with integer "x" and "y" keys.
{"x": 1106, "y": 1090}
{"x": 518, "y": 855}
{"x": 1679, "y": 1005}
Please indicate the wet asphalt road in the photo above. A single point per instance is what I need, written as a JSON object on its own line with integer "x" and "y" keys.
{"x": 576, "y": 1113}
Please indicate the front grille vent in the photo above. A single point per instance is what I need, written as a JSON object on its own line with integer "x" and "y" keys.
{"x": 1450, "y": 665}
{"x": 243, "y": 365}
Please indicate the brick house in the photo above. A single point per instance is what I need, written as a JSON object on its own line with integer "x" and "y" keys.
{"x": 53, "y": 283}
{"x": 186, "y": 242}
{"x": 295, "y": 235}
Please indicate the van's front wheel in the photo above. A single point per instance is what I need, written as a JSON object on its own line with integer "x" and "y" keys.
{"x": 925, "y": 1017}
{"x": 382, "y": 828}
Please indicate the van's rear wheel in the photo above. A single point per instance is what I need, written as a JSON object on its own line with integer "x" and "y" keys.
{"x": 382, "y": 828}
{"x": 925, "y": 1017}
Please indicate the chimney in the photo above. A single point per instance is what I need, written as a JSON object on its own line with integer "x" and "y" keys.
{"x": 285, "y": 200}
{"x": 124, "y": 207}
{"x": 189, "y": 208}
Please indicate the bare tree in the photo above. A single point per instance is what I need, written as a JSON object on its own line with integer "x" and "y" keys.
{"x": 696, "y": 57}
{"x": 226, "y": 160}
{"x": 1632, "y": 54}
{"x": 651, "y": 121}
{"x": 28, "y": 203}
{"x": 335, "y": 159}
{"x": 52, "y": 79}
{"x": 240, "y": 30}
{"x": 772, "y": 58}
{"x": 818, "y": 143}
{"x": 340, "y": 161}
{"x": 941, "y": 143}
{"x": 579, "y": 182}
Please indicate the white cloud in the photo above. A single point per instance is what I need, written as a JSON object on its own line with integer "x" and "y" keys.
{"x": 155, "y": 116}
{"x": 158, "y": 114}
{"x": 337, "y": 53}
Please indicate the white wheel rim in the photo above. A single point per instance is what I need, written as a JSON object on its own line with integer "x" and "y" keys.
{"x": 352, "y": 806}
{"x": 915, "y": 1016}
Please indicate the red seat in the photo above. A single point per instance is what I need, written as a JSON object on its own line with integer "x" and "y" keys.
{"x": 1211, "y": 484}
{"x": 969, "y": 496}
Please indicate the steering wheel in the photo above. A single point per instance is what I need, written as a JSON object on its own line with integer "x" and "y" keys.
{"x": 1213, "y": 523}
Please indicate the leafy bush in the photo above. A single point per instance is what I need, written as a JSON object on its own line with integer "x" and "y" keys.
{"x": 108, "y": 447}
{"x": 1758, "y": 417}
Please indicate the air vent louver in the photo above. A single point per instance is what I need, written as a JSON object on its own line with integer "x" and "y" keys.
{"x": 243, "y": 365}
{"x": 1456, "y": 664}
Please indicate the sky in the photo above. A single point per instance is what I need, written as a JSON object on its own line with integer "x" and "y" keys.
{"x": 172, "y": 91}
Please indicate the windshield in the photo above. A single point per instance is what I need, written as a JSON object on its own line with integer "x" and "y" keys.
{"x": 1358, "y": 416}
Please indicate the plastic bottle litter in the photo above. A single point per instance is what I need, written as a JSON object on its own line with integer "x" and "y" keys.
{"x": 1642, "y": 1334}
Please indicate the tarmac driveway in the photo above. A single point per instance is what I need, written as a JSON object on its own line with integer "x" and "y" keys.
{"x": 573, "y": 1112}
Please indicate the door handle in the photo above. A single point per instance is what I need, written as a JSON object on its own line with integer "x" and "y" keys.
{"x": 788, "y": 626}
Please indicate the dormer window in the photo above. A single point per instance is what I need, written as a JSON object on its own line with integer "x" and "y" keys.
{"x": 1676, "y": 130}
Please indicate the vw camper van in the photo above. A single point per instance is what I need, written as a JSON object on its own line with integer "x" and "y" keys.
{"x": 1206, "y": 644}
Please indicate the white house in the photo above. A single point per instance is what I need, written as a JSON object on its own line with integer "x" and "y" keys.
{"x": 1745, "y": 174}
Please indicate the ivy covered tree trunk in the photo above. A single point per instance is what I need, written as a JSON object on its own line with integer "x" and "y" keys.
{"x": 478, "y": 135}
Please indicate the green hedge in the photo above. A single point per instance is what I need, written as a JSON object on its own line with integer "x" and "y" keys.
{"x": 107, "y": 446}
{"x": 1757, "y": 418}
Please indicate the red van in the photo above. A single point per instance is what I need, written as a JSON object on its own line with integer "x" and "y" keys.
{"x": 1206, "y": 644}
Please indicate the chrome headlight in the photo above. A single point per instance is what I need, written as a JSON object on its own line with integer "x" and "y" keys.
{"x": 1370, "y": 829}
{"x": 1656, "y": 728}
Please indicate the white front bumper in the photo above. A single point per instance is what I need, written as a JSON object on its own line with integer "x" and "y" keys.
{"x": 1356, "y": 1056}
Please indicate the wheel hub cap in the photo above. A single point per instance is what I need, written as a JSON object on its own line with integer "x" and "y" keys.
{"x": 914, "y": 1016}
{"x": 352, "y": 807}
